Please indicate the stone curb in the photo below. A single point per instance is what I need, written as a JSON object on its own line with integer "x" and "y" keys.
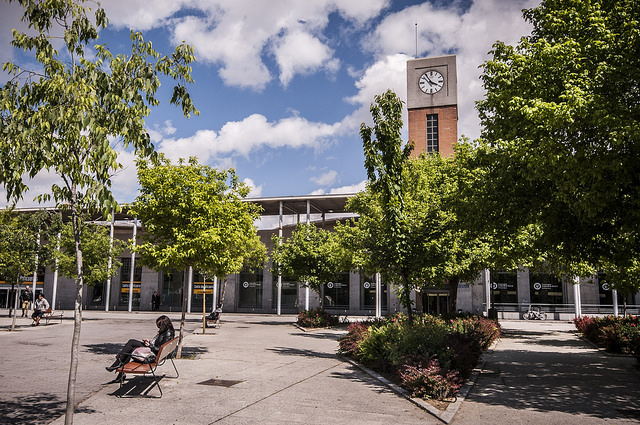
{"x": 445, "y": 416}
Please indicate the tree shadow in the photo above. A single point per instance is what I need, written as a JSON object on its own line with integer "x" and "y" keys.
{"x": 548, "y": 381}
{"x": 289, "y": 351}
{"x": 318, "y": 335}
{"x": 34, "y": 409}
{"x": 357, "y": 375}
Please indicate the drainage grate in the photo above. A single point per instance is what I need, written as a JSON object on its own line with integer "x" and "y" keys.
{"x": 219, "y": 382}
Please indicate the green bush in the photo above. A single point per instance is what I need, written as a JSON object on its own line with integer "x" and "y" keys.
{"x": 429, "y": 358}
{"x": 615, "y": 334}
{"x": 317, "y": 318}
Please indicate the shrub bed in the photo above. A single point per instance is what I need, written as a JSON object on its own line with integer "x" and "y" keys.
{"x": 430, "y": 358}
{"x": 615, "y": 334}
{"x": 317, "y": 318}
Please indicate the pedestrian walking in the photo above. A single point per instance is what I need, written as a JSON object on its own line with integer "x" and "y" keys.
{"x": 25, "y": 298}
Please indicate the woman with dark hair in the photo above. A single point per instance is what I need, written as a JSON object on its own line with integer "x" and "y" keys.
{"x": 165, "y": 334}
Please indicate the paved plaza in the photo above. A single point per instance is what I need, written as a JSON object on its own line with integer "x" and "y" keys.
{"x": 262, "y": 369}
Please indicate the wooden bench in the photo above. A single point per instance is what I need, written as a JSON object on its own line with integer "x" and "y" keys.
{"x": 165, "y": 352}
{"x": 213, "y": 323}
{"x": 50, "y": 315}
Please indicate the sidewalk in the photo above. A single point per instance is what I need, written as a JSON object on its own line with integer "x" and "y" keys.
{"x": 264, "y": 370}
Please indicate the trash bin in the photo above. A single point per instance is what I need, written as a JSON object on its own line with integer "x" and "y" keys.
{"x": 493, "y": 313}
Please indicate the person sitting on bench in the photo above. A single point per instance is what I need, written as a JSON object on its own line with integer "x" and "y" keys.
{"x": 165, "y": 334}
{"x": 39, "y": 307}
{"x": 215, "y": 314}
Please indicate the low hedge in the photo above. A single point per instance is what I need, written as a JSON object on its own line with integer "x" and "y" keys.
{"x": 616, "y": 334}
{"x": 430, "y": 358}
{"x": 317, "y": 318}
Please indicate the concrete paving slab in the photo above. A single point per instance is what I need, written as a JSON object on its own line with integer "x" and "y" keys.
{"x": 539, "y": 372}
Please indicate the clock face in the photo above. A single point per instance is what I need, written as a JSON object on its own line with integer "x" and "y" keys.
{"x": 431, "y": 82}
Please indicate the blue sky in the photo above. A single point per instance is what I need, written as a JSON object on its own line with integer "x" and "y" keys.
{"x": 283, "y": 86}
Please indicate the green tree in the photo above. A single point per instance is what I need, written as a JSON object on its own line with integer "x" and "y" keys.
{"x": 96, "y": 249}
{"x": 560, "y": 133}
{"x": 311, "y": 255}
{"x": 194, "y": 215}
{"x": 385, "y": 157}
{"x": 439, "y": 250}
{"x": 64, "y": 117}
{"x": 23, "y": 247}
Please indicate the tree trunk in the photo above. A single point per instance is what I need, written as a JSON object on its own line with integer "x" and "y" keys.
{"x": 407, "y": 299}
{"x": 453, "y": 294}
{"x": 77, "y": 316}
{"x": 223, "y": 290}
{"x": 185, "y": 290}
{"x": 15, "y": 304}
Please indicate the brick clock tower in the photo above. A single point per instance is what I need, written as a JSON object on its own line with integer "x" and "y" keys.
{"x": 432, "y": 102}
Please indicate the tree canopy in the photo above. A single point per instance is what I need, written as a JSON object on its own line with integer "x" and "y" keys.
{"x": 68, "y": 115}
{"x": 311, "y": 255}
{"x": 23, "y": 245}
{"x": 561, "y": 125}
{"x": 194, "y": 215}
{"x": 97, "y": 247}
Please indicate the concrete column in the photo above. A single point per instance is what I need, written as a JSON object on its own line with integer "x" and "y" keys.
{"x": 614, "y": 295}
{"x": 306, "y": 284}
{"x": 486, "y": 281}
{"x": 107, "y": 296}
{"x": 378, "y": 296}
{"x": 133, "y": 264}
{"x": 55, "y": 277}
{"x": 576, "y": 296}
{"x": 190, "y": 288}
{"x": 35, "y": 278}
{"x": 215, "y": 292}
{"x": 279, "y": 284}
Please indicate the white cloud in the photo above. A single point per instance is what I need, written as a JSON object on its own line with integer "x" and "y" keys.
{"x": 168, "y": 128}
{"x": 124, "y": 183}
{"x": 353, "y": 188}
{"x": 247, "y": 136}
{"x": 302, "y": 53}
{"x": 326, "y": 178}
{"x": 389, "y": 73}
{"x": 256, "y": 191}
{"x": 138, "y": 14}
{"x": 238, "y": 33}
{"x": 469, "y": 35}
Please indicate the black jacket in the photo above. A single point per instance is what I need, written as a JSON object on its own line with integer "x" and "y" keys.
{"x": 161, "y": 339}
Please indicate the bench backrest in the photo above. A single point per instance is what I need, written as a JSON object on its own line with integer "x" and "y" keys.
{"x": 166, "y": 349}
{"x": 49, "y": 311}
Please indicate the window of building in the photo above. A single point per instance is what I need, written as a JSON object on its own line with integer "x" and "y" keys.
{"x": 171, "y": 291}
{"x": 125, "y": 278}
{"x": 199, "y": 285}
{"x": 289, "y": 293}
{"x": 368, "y": 293}
{"x": 432, "y": 133}
{"x": 250, "y": 289}
{"x": 545, "y": 289}
{"x": 504, "y": 287}
{"x": 336, "y": 293}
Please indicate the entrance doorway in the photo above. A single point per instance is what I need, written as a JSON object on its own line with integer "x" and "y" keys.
{"x": 435, "y": 302}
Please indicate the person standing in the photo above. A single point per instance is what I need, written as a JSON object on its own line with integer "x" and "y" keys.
{"x": 25, "y": 297}
{"x": 39, "y": 308}
{"x": 155, "y": 301}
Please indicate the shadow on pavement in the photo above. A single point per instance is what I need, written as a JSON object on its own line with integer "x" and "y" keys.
{"x": 139, "y": 386}
{"x": 567, "y": 377}
{"x": 301, "y": 352}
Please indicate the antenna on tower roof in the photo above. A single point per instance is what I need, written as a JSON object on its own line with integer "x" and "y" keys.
{"x": 416, "y": 40}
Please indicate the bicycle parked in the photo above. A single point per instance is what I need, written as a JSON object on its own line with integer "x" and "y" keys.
{"x": 534, "y": 313}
